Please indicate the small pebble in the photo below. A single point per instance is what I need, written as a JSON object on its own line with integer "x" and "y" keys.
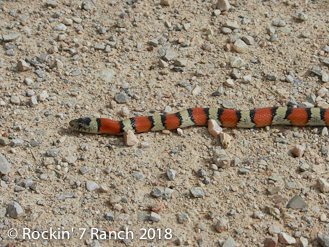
{"x": 213, "y": 128}
{"x": 221, "y": 225}
{"x": 182, "y": 218}
{"x": 121, "y": 98}
{"x": 298, "y": 151}
{"x": 286, "y": 239}
{"x": 60, "y": 27}
{"x": 14, "y": 210}
{"x": 197, "y": 192}
{"x": 223, "y": 5}
{"x": 130, "y": 138}
{"x": 171, "y": 174}
{"x": 166, "y": 2}
{"x": 302, "y": 16}
{"x": 271, "y": 242}
{"x": 323, "y": 185}
{"x": 155, "y": 217}
{"x": 157, "y": 191}
{"x": 240, "y": 46}
{"x": 91, "y": 186}
{"x": 296, "y": 202}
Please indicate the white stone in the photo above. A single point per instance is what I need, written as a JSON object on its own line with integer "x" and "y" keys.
{"x": 59, "y": 64}
{"x": 91, "y": 186}
{"x": 325, "y": 77}
{"x": 52, "y": 3}
{"x": 323, "y": 185}
{"x": 324, "y": 131}
{"x": 274, "y": 229}
{"x": 236, "y": 62}
{"x": 77, "y": 19}
{"x": 247, "y": 78}
{"x": 229, "y": 83}
{"x": 231, "y": 24}
{"x": 106, "y": 75}
{"x": 60, "y": 27}
{"x": 186, "y": 26}
{"x": 217, "y": 12}
{"x": 163, "y": 64}
{"x": 286, "y": 239}
{"x": 28, "y": 81}
{"x": 33, "y": 101}
{"x": 240, "y": 46}
{"x": 167, "y": 110}
{"x": 4, "y": 165}
{"x": 145, "y": 145}
{"x": 124, "y": 112}
{"x": 196, "y": 91}
{"x": 43, "y": 96}
{"x": 70, "y": 159}
{"x": 180, "y": 132}
{"x": 248, "y": 39}
{"x": 155, "y": 217}
{"x": 15, "y": 100}
{"x": 322, "y": 92}
{"x": 303, "y": 241}
{"x": 130, "y": 138}
{"x": 213, "y": 128}
{"x": 67, "y": 21}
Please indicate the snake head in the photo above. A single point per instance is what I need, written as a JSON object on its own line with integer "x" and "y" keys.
{"x": 89, "y": 125}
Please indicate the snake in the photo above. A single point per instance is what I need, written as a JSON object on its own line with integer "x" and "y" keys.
{"x": 200, "y": 116}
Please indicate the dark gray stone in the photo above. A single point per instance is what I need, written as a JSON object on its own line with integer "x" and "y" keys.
{"x": 157, "y": 191}
{"x": 121, "y": 98}
{"x": 109, "y": 216}
{"x": 296, "y": 202}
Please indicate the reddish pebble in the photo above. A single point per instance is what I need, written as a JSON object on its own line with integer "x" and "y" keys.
{"x": 298, "y": 150}
{"x": 158, "y": 207}
{"x": 283, "y": 101}
{"x": 271, "y": 242}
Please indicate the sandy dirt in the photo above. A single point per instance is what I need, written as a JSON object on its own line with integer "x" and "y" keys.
{"x": 69, "y": 59}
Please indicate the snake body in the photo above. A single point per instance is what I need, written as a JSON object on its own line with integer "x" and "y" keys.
{"x": 200, "y": 116}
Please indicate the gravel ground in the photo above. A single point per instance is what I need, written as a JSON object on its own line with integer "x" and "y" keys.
{"x": 62, "y": 60}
